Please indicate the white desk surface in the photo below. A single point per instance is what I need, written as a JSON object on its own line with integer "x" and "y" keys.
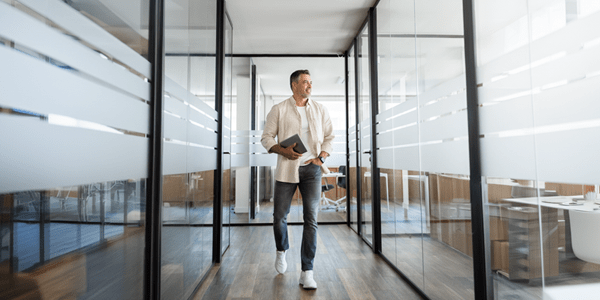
{"x": 576, "y": 292}
{"x": 333, "y": 174}
{"x": 555, "y": 202}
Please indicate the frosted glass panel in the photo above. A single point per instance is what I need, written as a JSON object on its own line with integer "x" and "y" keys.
{"x": 67, "y": 94}
{"x": 446, "y": 157}
{"x": 66, "y": 17}
{"x": 447, "y": 127}
{"x": 538, "y": 82}
{"x": 174, "y": 158}
{"x": 175, "y": 128}
{"x": 74, "y": 147}
{"x": 202, "y": 136}
{"x": 24, "y": 30}
{"x": 43, "y": 156}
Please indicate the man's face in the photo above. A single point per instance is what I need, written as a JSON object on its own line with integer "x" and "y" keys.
{"x": 303, "y": 87}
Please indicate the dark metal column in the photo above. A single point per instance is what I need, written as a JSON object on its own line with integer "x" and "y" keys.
{"x": 346, "y": 91}
{"x": 219, "y": 73}
{"x": 253, "y": 169}
{"x": 102, "y": 209}
{"x": 481, "y": 265}
{"x": 156, "y": 53}
{"x": 44, "y": 227}
{"x": 375, "y": 180}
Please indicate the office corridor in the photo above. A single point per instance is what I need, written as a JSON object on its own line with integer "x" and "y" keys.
{"x": 345, "y": 268}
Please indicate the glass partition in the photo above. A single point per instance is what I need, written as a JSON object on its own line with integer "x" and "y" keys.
{"x": 422, "y": 142}
{"x": 227, "y": 115}
{"x": 189, "y": 150}
{"x": 364, "y": 135}
{"x": 271, "y": 85}
{"x": 537, "y": 75}
{"x": 74, "y": 125}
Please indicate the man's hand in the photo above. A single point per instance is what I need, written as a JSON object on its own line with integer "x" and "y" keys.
{"x": 288, "y": 152}
{"x": 315, "y": 161}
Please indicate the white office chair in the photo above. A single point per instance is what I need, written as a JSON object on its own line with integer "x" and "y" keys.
{"x": 585, "y": 237}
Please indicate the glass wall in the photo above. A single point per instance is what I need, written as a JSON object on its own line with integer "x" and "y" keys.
{"x": 228, "y": 101}
{"x": 423, "y": 146}
{"x": 364, "y": 134}
{"x": 74, "y": 125}
{"x": 248, "y": 152}
{"x": 189, "y": 150}
{"x": 537, "y": 75}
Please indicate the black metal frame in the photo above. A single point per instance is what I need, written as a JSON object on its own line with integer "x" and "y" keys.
{"x": 481, "y": 264}
{"x": 253, "y": 169}
{"x": 375, "y": 180}
{"x": 287, "y": 55}
{"x": 483, "y": 286}
{"x": 152, "y": 259}
{"x": 347, "y": 91}
{"x": 44, "y": 211}
{"x": 219, "y": 76}
{"x": 256, "y": 55}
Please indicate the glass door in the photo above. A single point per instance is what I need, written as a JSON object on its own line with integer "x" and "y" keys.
{"x": 352, "y": 142}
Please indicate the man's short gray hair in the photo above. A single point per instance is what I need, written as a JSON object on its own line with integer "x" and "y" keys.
{"x": 296, "y": 76}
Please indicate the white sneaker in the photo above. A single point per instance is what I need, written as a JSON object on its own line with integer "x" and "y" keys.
{"x": 280, "y": 263}
{"x": 306, "y": 280}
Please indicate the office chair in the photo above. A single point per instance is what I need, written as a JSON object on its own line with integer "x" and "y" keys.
{"x": 341, "y": 182}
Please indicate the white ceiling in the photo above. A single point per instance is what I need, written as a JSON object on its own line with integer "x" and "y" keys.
{"x": 275, "y": 74}
{"x": 285, "y": 26}
{"x": 307, "y": 27}
{"x": 296, "y": 27}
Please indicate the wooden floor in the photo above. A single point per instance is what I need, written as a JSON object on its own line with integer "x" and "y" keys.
{"x": 345, "y": 268}
{"x": 265, "y": 214}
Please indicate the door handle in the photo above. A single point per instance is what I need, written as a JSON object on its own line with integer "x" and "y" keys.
{"x": 367, "y": 152}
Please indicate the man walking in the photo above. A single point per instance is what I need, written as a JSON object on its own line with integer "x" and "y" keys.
{"x": 310, "y": 120}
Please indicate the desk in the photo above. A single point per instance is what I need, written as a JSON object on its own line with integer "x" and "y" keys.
{"x": 554, "y": 202}
{"x": 581, "y": 238}
{"x": 579, "y": 292}
{"x": 524, "y": 234}
{"x": 387, "y": 186}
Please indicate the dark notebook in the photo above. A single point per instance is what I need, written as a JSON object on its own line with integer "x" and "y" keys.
{"x": 300, "y": 148}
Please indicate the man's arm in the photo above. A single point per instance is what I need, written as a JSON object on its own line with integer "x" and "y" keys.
{"x": 271, "y": 129}
{"x": 270, "y": 132}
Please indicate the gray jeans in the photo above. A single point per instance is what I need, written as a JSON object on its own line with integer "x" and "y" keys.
{"x": 310, "y": 189}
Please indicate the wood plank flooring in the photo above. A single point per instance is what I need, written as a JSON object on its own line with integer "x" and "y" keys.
{"x": 265, "y": 214}
{"x": 345, "y": 268}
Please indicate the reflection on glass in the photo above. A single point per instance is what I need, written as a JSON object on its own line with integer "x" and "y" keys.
{"x": 189, "y": 149}
{"x": 541, "y": 173}
{"x": 50, "y": 229}
{"x": 422, "y": 147}
{"x": 78, "y": 199}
